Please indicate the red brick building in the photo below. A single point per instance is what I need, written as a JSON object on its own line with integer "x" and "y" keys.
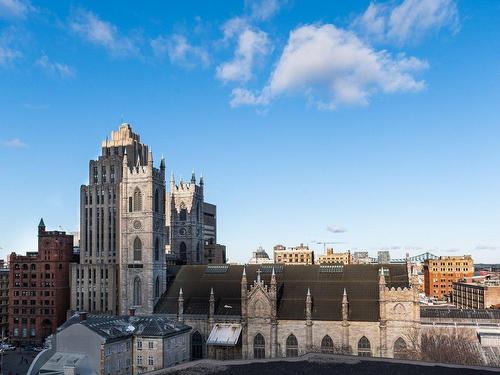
{"x": 39, "y": 292}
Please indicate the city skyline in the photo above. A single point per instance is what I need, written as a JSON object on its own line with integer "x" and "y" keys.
{"x": 403, "y": 160}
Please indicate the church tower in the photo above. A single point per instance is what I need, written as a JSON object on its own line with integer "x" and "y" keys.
{"x": 142, "y": 234}
{"x": 186, "y": 220}
{"x": 142, "y": 229}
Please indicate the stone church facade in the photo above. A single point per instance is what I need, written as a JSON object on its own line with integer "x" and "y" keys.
{"x": 127, "y": 222}
{"x": 267, "y": 311}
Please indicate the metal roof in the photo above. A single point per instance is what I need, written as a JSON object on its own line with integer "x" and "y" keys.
{"x": 360, "y": 281}
{"x": 224, "y": 334}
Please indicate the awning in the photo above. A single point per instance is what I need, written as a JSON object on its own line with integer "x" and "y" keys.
{"x": 224, "y": 334}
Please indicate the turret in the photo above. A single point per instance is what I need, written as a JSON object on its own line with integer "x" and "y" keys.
{"x": 193, "y": 177}
{"x": 345, "y": 306}
{"x": 308, "y": 305}
{"x": 201, "y": 180}
{"x": 150, "y": 159}
{"x": 211, "y": 310}
{"x": 172, "y": 181}
{"x": 162, "y": 164}
{"x": 41, "y": 226}
{"x": 243, "y": 293}
{"x": 381, "y": 279}
{"x": 181, "y": 306}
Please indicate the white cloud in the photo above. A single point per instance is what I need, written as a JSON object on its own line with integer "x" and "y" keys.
{"x": 94, "y": 30}
{"x": 251, "y": 45}
{"x": 15, "y": 8}
{"x": 262, "y": 9}
{"x": 408, "y": 21}
{"x": 7, "y": 55}
{"x": 336, "y": 229}
{"x": 180, "y": 51}
{"x": 54, "y": 67}
{"x": 14, "y": 143}
{"x": 323, "y": 59}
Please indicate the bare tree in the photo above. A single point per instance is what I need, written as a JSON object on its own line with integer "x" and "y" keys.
{"x": 445, "y": 345}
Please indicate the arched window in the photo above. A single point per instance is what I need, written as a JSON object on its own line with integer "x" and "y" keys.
{"x": 259, "y": 346}
{"x": 137, "y": 291}
{"x": 157, "y": 201}
{"x": 400, "y": 349}
{"x": 364, "y": 347}
{"x": 137, "y": 249}
{"x": 157, "y": 250}
{"x": 327, "y": 345}
{"x": 157, "y": 287}
{"x": 183, "y": 252}
{"x": 183, "y": 214}
{"x": 196, "y": 346}
{"x": 47, "y": 267}
{"x": 25, "y": 267}
{"x": 137, "y": 200}
{"x": 292, "y": 346}
{"x": 33, "y": 267}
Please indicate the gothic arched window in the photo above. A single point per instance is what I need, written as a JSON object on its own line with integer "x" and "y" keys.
{"x": 196, "y": 346}
{"x": 364, "y": 347}
{"x": 157, "y": 201}
{"x": 259, "y": 347}
{"x": 327, "y": 345}
{"x": 157, "y": 287}
{"x": 292, "y": 346}
{"x": 400, "y": 349}
{"x": 137, "y": 291}
{"x": 137, "y": 200}
{"x": 137, "y": 249}
{"x": 157, "y": 250}
{"x": 183, "y": 252}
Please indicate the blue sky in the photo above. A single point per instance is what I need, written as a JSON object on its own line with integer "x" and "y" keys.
{"x": 374, "y": 125}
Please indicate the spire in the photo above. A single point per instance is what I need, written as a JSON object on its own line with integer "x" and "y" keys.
{"x": 211, "y": 310}
{"x": 201, "y": 180}
{"x": 308, "y": 305}
{"x": 138, "y": 162}
{"x": 381, "y": 279}
{"x": 41, "y": 224}
{"x": 150, "y": 158}
{"x": 345, "y": 306}
{"x": 193, "y": 177}
{"x": 172, "y": 178}
{"x": 181, "y": 306}
{"x": 244, "y": 277}
{"x": 258, "y": 275}
{"x": 162, "y": 163}
{"x": 125, "y": 159}
{"x": 273, "y": 278}
{"x": 309, "y": 292}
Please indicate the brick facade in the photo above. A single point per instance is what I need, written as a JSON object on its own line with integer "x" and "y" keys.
{"x": 39, "y": 290}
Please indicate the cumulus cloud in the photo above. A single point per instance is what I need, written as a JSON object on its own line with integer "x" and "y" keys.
{"x": 15, "y": 8}
{"x": 324, "y": 59}
{"x": 101, "y": 33}
{"x": 336, "y": 229}
{"x": 54, "y": 67}
{"x": 262, "y": 9}
{"x": 251, "y": 45}
{"x": 180, "y": 51}
{"x": 408, "y": 21}
{"x": 14, "y": 143}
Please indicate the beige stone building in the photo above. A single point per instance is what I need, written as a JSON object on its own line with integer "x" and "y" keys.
{"x": 271, "y": 310}
{"x": 332, "y": 257}
{"x": 293, "y": 255}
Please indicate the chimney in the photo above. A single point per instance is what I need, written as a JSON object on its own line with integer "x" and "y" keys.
{"x": 131, "y": 312}
{"x": 83, "y": 316}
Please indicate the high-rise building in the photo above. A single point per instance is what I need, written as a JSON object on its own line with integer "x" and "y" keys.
{"x": 129, "y": 226}
{"x": 122, "y": 229}
{"x": 39, "y": 288}
{"x": 441, "y": 273}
